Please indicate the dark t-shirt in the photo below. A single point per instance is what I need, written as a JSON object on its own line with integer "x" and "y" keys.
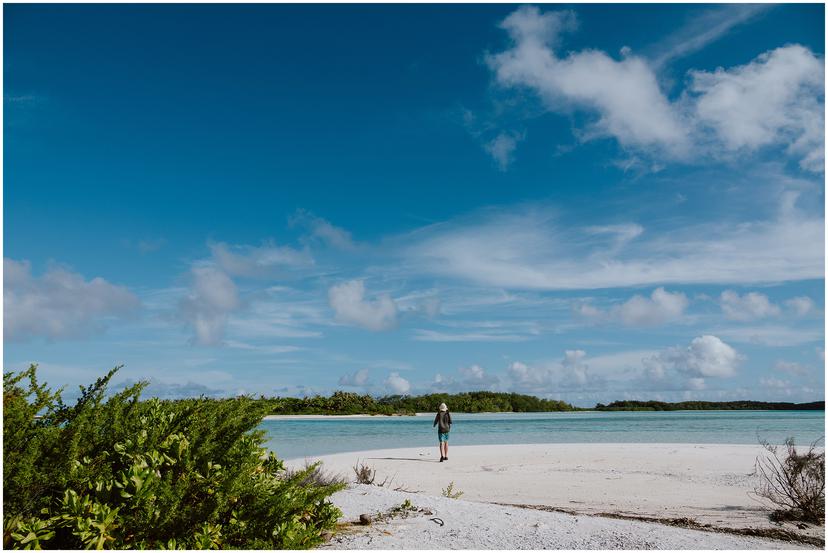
{"x": 442, "y": 421}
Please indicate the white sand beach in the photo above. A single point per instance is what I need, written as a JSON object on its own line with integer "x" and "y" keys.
{"x": 710, "y": 484}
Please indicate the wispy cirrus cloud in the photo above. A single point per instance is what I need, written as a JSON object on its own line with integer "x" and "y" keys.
{"x": 528, "y": 248}
{"x": 702, "y": 30}
{"x": 258, "y": 261}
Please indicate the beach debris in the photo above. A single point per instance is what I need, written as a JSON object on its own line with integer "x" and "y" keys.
{"x": 364, "y": 473}
{"x": 437, "y": 520}
{"x": 365, "y": 519}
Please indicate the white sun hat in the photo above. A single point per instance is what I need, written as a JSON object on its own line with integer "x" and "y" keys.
{"x": 443, "y": 407}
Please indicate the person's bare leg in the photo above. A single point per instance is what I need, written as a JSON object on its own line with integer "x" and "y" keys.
{"x": 445, "y": 445}
{"x": 441, "y": 450}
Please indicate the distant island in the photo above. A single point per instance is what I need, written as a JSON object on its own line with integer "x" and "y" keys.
{"x": 349, "y": 403}
{"x": 710, "y": 406}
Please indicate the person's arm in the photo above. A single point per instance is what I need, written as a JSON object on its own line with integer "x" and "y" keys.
{"x": 449, "y": 417}
{"x": 436, "y": 418}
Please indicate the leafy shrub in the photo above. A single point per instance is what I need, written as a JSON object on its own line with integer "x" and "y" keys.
{"x": 793, "y": 481}
{"x": 126, "y": 473}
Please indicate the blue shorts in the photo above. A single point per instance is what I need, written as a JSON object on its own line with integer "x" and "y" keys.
{"x": 442, "y": 436}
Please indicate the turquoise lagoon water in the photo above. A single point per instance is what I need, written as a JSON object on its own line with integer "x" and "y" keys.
{"x": 292, "y": 439}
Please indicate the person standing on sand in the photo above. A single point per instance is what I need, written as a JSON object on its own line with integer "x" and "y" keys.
{"x": 443, "y": 423}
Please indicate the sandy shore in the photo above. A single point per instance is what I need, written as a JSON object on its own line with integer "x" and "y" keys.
{"x": 711, "y": 484}
{"x": 321, "y": 417}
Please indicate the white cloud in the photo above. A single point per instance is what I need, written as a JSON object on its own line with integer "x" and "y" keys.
{"x": 790, "y": 368}
{"x": 773, "y": 335}
{"x": 774, "y": 383}
{"x": 397, "y": 384}
{"x": 350, "y": 306}
{"x": 569, "y": 373}
{"x": 624, "y": 92}
{"x": 502, "y": 148}
{"x": 357, "y": 379}
{"x": 323, "y": 230}
{"x": 573, "y": 363}
{"x": 801, "y": 305}
{"x": 423, "y": 335}
{"x": 662, "y": 306}
{"x": 476, "y": 375}
{"x": 213, "y": 296}
{"x": 526, "y": 248}
{"x": 702, "y": 30}
{"x": 706, "y": 356}
{"x": 257, "y": 262}
{"x": 775, "y": 99}
{"x": 748, "y": 307}
{"x": 60, "y": 303}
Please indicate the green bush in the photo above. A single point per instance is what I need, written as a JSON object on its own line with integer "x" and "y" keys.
{"x": 119, "y": 472}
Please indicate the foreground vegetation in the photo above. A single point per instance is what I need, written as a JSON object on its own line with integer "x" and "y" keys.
{"x": 794, "y": 481}
{"x": 126, "y": 473}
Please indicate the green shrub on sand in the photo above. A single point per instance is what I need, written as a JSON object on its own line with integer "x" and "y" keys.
{"x": 118, "y": 472}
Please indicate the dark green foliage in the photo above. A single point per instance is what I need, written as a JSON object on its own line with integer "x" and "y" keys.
{"x": 346, "y": 403}
{"x": 118, "y": 472}
{"x": 631, "y": 405}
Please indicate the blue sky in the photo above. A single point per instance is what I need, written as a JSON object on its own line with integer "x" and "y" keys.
{"x": 584, "y": 202}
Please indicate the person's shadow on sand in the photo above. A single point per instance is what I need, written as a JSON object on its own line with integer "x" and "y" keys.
{"x": 402, "y": 459}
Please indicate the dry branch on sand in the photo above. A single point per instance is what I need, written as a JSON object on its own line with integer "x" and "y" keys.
{"x": 793, "y": 481}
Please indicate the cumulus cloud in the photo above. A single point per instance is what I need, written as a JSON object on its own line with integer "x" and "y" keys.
{"x": 748, "y": 307}
{"x": 625, "y": 93}
{"x": 569, "y": 373}
{"x": 350, "y": 306}
{"x": 662, "y": 306}
{"x": 706, "y": 357}
{"x": 776, "y": 99}
{"x": 257, "y": 262}
{"x": 60, "y": 303}
{"x": 213, "y": 297}
{"x": 357, "y": 379}
{"x": 801, "y": 305}
{"x": 476, "y": 376}
{"x": 397, "y": 385}
{"x": 502, "y": 148}
{"x": 575, "y": 366}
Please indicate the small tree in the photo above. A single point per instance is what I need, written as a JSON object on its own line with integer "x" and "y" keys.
{"x": 793, "y": 481}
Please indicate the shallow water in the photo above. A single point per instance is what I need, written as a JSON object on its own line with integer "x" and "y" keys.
{"x": 292, "y": 439}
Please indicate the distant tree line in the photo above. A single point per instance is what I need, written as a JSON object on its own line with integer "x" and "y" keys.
{"x": 349, "y": 403}
{"x": 709, "y": 406}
